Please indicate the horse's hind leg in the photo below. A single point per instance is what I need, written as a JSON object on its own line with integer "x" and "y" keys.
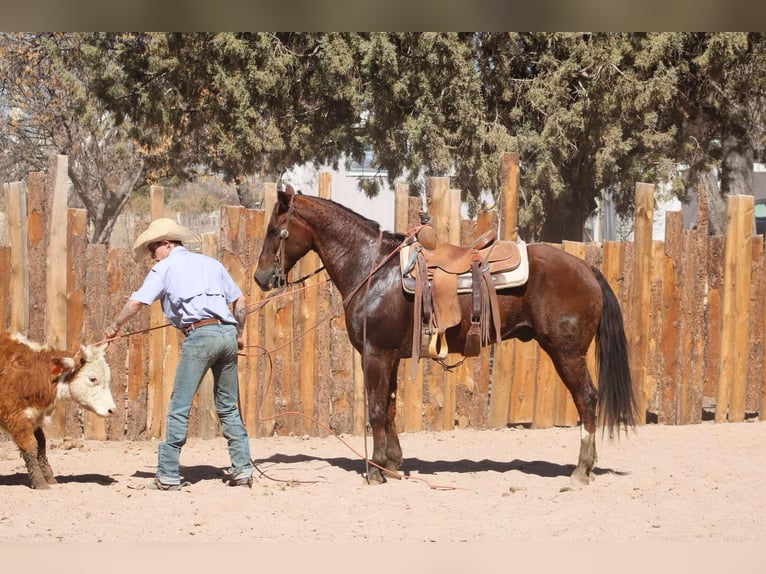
{"x": 574, "y": 372}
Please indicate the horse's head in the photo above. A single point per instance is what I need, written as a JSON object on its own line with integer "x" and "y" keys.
{"x": 288, "y": 238}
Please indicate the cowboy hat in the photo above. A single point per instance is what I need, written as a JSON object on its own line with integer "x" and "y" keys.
{"x": 162, "y": 229}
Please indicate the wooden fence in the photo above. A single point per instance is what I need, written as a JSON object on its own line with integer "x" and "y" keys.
{"x": 693, "y": 306}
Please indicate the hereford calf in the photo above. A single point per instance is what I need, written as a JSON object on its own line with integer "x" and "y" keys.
{"x": 33, "y": 380}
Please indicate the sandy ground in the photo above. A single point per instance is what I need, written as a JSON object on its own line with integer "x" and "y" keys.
{"x": 670, "y": 484}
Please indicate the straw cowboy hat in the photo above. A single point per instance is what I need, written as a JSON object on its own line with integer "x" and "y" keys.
{"x": 162, "y": 229}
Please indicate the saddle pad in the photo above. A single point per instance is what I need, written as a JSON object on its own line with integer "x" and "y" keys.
{"x": 506, "y": 279}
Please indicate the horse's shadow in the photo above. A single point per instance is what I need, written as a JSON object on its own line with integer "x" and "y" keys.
{"x": 198, "y": 473}
{"x": 539, "y": 468}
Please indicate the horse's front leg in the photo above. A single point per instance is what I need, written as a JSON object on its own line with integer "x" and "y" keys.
{"x": 377, "y": 371}
{"x": 393, "y": 448}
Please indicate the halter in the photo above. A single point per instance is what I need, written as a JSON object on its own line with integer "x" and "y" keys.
{"x": 279, "y": 256}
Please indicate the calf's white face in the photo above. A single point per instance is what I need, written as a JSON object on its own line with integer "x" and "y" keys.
{"x": 90, "y": 385}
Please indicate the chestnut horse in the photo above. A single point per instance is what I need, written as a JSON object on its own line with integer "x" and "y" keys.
{"x": 564, "y": 304}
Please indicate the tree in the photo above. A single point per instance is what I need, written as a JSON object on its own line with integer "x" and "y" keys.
{"x": 47, "y": 109}
{"x": 245, "y": 104}
{"x": 586, "y": 112}
{"x": 722, "y": 122}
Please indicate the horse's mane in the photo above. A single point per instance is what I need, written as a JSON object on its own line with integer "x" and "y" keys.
{"x": 371, "y": 223}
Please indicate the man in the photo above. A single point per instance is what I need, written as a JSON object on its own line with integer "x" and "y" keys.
{"x": 195, "y": 291}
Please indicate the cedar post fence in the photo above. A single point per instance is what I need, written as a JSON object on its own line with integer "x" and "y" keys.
{"x": 693, "y": 306}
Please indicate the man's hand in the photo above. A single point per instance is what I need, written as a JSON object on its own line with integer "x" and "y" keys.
{"x": 112, "y": 330}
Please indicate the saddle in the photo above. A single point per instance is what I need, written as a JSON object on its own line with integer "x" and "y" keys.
{"x": 436, "y": 273}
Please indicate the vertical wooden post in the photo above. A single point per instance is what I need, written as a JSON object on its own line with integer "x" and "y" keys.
{"x": 207, "y": 417}
{"x": 16, "y": 211}
{"x": 670, "y": 350}
{"x": 451, "y": 377}
{"x": 266, "y": 422}
{"x": 55, "y": 316}
{"x": 233, "y": 250}
{"x": 438, "y": 194}
{"x": 401, "y": 208}
{"x": 472, "y": 392}
{"x": 99, "y": 312}
{"x": 253, "y": 335}
{"x": 56, "y": 272}
{"x": 500, "y": 397}
{"x": 756, "y": 325}
{"x": 642, "y": 277}
{"x": 730, "y": 398}
{"x": 760, "y": 377}
{"x": 510, "y": 177}
{"x": 76, "y": 245}
{"x": 413, "y": 385}
{"x": 323, "y": 391}
{"x": 155, "y": 403}
{"x": 38, "y": 235}
{"x": 402, "y": 225}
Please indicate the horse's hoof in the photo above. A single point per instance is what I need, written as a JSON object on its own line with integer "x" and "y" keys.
{"x": 375, "y": 477}
{"x": 392, "y": 471}
{"x": 374, "y": 480}
{"x": 579, "y": 478}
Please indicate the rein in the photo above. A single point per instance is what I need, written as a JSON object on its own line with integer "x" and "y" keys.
{"x": 307, "y": 276}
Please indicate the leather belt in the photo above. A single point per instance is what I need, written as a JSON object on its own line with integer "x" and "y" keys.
{"x": 198, "y": 324}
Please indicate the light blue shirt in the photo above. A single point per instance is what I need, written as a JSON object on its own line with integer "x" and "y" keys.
{"x": 191, "y": 287}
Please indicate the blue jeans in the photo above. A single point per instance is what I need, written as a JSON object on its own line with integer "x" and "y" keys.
{"x": 210, "y": 347}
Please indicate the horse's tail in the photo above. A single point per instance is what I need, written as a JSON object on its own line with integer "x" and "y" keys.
{"x": 616, "y": 402}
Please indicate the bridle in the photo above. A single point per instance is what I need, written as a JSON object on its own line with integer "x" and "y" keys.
{"x": 279, "y": 255}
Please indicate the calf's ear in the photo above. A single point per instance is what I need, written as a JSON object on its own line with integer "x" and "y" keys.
{"x": 61, "y": 367}
{"x": 92, "y": 352}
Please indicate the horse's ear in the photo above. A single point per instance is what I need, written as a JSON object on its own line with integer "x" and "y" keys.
{"x": 284, "y": 200}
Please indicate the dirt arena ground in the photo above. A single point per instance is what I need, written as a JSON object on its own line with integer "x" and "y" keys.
{"x": 694, "y": 483}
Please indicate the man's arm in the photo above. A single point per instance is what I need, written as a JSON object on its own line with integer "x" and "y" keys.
{"x": 130, "y": 309}
{"x": 240, "y": 314}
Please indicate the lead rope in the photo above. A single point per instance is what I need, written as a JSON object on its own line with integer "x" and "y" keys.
{"x": 364, "y": 342}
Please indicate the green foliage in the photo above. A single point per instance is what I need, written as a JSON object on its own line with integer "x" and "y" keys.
{"x": 586, "y": 112}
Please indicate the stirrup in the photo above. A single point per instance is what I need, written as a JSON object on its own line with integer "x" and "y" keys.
{"x": 437, "y": 345}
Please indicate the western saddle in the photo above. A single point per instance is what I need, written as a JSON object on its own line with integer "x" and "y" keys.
{"x": 436, "y": 272}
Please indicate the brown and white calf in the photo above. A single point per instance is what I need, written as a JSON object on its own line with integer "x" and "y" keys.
{"x": 33, "y": 380}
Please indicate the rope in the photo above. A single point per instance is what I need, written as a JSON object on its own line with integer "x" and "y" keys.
{"x": 391, "y": 473}
{"x": 282, "y": 293}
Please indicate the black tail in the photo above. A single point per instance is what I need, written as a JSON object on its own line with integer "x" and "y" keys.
{"x": 616, "y": 402}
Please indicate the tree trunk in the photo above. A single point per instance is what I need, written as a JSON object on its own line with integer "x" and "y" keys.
{"x": 737, "y": 166}
{"x": 566, "y": 214}
{"x": 715, "y": 202}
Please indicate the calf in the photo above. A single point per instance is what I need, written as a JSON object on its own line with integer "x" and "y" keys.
{"x": 33, "y": 380}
